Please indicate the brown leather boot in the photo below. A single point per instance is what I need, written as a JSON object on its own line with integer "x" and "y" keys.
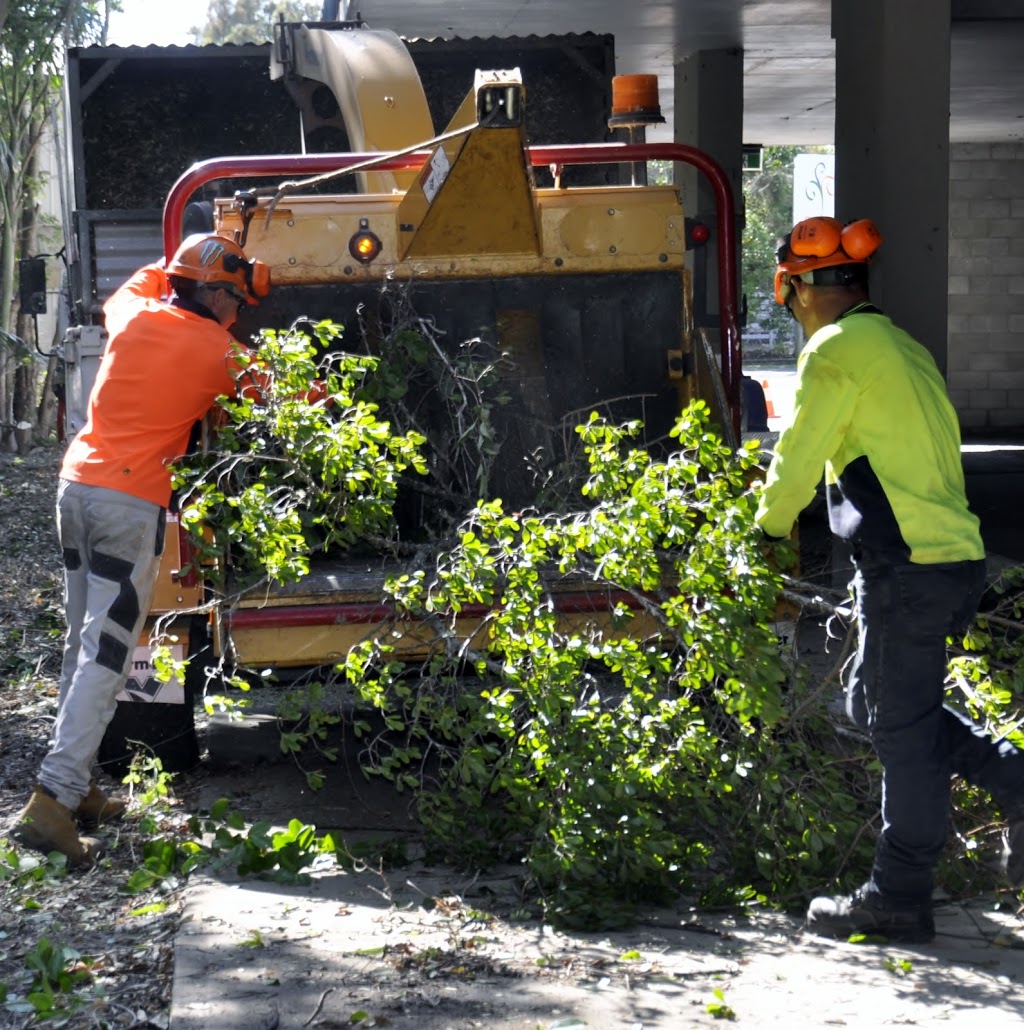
{"x": 96, "y": 807}
{"x": 47, "y": 825}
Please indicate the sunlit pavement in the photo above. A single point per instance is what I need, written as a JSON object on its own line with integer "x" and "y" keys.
{"x": 779, "y": 386}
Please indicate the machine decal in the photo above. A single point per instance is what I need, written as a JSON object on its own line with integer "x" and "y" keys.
{"x": 143, "y": 685}
{"x": 434, "y": 174}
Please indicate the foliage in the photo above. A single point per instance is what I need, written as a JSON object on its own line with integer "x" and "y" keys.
{"x": 150, "y": 790}
{"x": 622, "y": 758}
{"x": 986, "y": 681}
{"x": 768, "y": 204}
{"x": 287, "y": 477}
{"x": 260, "y": 851}
{"x": 221, "y": 840}
{"x": 309, "y": 719}
{"x": 20, "y": 869}
{"x": 718, "y": 1008}
{"x": 57, "y": 972}
{"x": 250, "y": 21}
{"x": 987, "y": 677}
{"x": 32, "y": 43}
{"x": 568, "y": 752}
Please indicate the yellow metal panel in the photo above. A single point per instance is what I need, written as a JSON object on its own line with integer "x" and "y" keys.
{"x": 308, "y": 237}
{"x": 307, "y": 240}
{"x": 171, "y": 594}
{"x": 373, "y": 78}
{"x": 292, "y": 646}
{"x": 319, "y": 645}
{"x": 619, "y": 222}
{"x": 415, "y": 205}
{"x": 483, "y": 203}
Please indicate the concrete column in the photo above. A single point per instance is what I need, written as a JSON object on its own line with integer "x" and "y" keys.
{"x": 892, "y": 151}
{"x": 709, "y": 116}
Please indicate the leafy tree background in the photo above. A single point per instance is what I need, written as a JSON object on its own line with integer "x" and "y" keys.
{"x": 34, "y": 35}
{"x": 768, "y": 195}
{"x": 250, "y": 21}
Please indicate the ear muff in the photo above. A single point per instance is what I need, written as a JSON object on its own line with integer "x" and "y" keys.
{"x": 255, "y": 272}
{"x": 783, "y": 287}
{"x": 860, "y": 239}
{"x": 815, "y": 237}
{"x": 260, "y": 279}
{"x": 821, "y": 243}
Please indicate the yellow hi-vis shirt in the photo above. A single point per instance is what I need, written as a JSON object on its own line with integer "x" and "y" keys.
{"x": 872, "y": 411}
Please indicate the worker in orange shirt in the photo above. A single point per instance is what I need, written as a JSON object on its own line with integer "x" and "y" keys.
{"x": 168, "y": 357}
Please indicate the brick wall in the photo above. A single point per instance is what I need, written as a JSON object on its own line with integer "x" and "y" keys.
{"x": 985, "y": 364}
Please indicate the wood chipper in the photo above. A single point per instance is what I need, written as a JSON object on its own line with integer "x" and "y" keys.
{"x": 583, "y": 288}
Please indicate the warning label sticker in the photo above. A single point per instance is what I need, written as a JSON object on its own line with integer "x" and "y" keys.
{"x": 434, "y": 174}
{"x": 142, "y": 684}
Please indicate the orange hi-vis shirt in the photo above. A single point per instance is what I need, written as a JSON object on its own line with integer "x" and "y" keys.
{"x": 161, "y": 371}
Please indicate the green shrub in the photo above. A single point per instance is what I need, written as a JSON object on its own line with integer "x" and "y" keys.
{"x": 623, "y": 719}
{"x": 285, "y": 477}
{"x": 626, "y": 761}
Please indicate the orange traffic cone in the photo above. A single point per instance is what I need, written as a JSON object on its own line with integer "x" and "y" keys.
{"x": 767, "y": 399}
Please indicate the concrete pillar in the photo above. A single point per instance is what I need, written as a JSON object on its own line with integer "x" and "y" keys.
{"x": 709, "y": 116}
{"x": 892, "y": 151}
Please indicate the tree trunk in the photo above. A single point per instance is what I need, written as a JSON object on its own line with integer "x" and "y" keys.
{"x": 26, "y": 373}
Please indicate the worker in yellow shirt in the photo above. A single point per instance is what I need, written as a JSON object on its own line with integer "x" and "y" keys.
{"x": 873, "y": 414}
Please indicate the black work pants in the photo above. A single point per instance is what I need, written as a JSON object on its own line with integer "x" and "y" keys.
{"x": 896, "y": 693}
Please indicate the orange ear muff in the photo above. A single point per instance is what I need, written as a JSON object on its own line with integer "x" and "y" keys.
{"x": 861, "y": 239}
{"x": 260, "y": 278}
{"x": 783, "y": 288}
{"x": 815, "y": 237}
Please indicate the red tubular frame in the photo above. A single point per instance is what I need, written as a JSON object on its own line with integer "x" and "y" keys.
{"x": 372, "y": 613}
{"x": 588, "y": 153}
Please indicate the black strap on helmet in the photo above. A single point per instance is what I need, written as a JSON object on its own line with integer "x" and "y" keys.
{"x": 838, "y": 275}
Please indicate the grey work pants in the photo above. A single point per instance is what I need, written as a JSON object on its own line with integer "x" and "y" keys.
{"x": 112, "y": 543}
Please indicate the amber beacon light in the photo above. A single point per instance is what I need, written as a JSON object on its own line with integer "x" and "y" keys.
{"x": 635, "y": 101}
{"x": 364, "y": 245}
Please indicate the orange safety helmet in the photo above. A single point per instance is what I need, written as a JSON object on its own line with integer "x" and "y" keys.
{"x": 220, "y": 262}
{"x": 822, "y": 242}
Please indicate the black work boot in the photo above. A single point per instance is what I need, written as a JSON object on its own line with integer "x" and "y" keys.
{"x": 867, "y": 912}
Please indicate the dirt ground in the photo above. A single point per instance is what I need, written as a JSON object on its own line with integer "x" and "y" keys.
{"x": 399, "y": 944}
{"x": 129, "y": 956}
{"x": 418, "y": 947}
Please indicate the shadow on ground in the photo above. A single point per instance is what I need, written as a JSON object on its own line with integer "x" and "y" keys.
{"x": 421, "y": 947}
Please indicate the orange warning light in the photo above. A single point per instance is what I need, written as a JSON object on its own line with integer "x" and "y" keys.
{"x": 364, "y": 246}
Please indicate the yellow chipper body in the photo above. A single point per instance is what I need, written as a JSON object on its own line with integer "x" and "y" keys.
{"x": 585, "y": 289}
